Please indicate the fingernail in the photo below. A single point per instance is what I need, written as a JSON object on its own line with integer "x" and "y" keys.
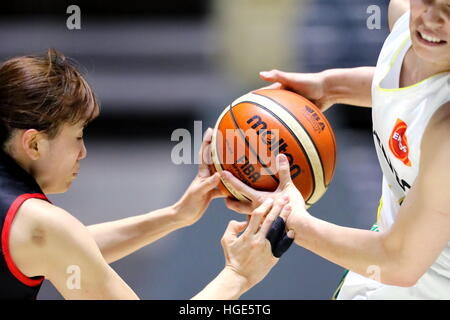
{"x": 268, "y": 201}
{"x": 223, "y": 173}
{"x": 287, "y": 207}
{"x": 282, "y": 158}
{"x": 291, "y": 234}
{"x": 265, "y": 73}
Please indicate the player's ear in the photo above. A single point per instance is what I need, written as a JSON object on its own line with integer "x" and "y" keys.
{"x": 33, "y": 143}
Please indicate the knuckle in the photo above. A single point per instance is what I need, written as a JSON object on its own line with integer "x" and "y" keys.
{"x": 258, "y": 211}
{"x": 255, "y": 243}
{"x": 258, "y": 214}
{"x": 229, "y": 204}
{"x": 260, "y": 199}
{"x": 248, "y": 209}
{"x": 237, "y": 186}
{"x": 288, "y": 184}
{"x": 224, "y": 240}
{"x": 230, "y": 225}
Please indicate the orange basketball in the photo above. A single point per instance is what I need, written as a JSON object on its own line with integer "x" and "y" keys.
{"x": 261, "y": 124}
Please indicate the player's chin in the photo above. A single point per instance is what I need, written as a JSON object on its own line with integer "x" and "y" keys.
{"x": 62, "y": 187}
{"x": 57, "y": 190}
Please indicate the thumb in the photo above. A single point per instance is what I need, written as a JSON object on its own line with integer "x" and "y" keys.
{"x": 235, "y": 227}
{"x": 283, "y": 170}
{"x": 210, "y": 183}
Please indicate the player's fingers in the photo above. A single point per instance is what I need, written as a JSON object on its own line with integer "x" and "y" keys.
{"x": 233, "y": 229}
{"x": 276, "y": 76}
{"x": 208, "y": 136}
{"x": 272, "y": 217}
{"x": 239, "y": 186}
{"x": 286, "y": 211}
{"x": 284, "y": 244}
{"x": 283, "y": 170}
{"x": 258, "y": 215}
{"x": 204, "y": 155}
{"x": 244, "y": 207}
{"x": 276, "y": 230}
{"x": 210, "y": 183}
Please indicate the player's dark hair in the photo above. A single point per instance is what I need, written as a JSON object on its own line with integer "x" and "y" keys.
{"x": 43, "y": 92}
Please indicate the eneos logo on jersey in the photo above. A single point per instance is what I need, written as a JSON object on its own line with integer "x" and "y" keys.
{"x": 398, "y": 144}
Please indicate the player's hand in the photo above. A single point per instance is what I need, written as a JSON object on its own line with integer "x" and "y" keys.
{"x": 310, "y": 85}
{"x": 286, "y": 189}
{"x": 249, "y": 255}
{"x": 256, "y": 197}
{"x": 190, "y": 208}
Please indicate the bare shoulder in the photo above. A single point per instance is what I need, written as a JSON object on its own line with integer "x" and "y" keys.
{"x": 43, "y": 219}
{"x": 396, "y": 9}
{"x": 40, "y": 211}
{"x": 38, "y": 228}
{"x": 50, "y": 242}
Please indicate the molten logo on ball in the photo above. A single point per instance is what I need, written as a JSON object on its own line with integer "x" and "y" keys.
{"x": 271, "y": 139}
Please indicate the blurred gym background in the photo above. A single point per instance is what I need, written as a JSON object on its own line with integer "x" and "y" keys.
{"x": 157, "y": 66}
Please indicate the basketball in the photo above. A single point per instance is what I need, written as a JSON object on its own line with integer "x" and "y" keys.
{"x": 256, "y": 127}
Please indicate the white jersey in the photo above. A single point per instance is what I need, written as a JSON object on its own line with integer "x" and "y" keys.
{"x": 400, "y": 116}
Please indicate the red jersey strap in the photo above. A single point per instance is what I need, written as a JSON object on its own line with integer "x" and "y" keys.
{"x": 5, "y": 238}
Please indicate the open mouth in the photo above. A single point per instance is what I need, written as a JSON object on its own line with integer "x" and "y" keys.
{"x": 429, "y": 40}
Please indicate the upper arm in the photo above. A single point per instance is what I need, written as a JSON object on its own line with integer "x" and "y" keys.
{"x": 396, "y": 9}
{"x": 422, "y": 227}
{"x": 68, "y": 256}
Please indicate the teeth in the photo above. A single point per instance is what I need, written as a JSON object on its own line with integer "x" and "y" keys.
{"x": 430, "y": 39}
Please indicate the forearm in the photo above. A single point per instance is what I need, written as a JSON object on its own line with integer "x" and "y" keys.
{"x": 226, "y": 286}
{"x": 360, "y": 251}
{"x": 351, "y": 86}
{"x": 117, "y": 239}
